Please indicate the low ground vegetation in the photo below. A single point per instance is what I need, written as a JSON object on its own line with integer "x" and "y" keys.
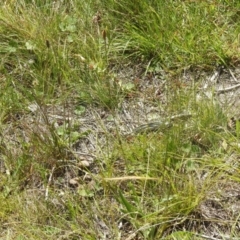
{"x": 119, "y": 120}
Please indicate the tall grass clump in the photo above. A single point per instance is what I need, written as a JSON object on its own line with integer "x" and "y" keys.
{"x": 52, "y": 50}
{"x": 177, "y": 33}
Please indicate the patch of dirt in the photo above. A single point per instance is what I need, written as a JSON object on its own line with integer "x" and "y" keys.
{"x": 150, "y": 101}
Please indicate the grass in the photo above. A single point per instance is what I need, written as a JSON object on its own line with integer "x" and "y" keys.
{"x": 75, "y": 78}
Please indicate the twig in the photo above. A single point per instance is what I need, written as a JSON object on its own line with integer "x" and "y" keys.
{"x": 49, "y": 182}
{"x": 126, "y": 178}
{"x": 233, "y": 76}
{"x": 227, "y": 89}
